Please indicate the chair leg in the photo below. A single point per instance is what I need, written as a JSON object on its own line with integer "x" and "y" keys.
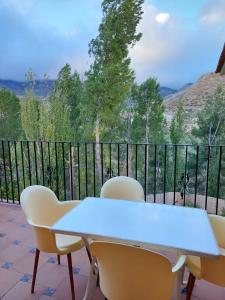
{"x": 58, "y": 256}
{"x": 190, "y": 286}
{"x": 98, "y": 281}
{"x": 70, "y": 267}
{"x": 89, "y": 255}
{"x": 35, "y": 269}
{"x": 87, "y": 246}
{"x": 179, "y": 281}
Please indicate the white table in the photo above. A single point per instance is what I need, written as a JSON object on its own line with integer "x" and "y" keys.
{"x": 177, "y": 229}
{"x": 181, "y": 230}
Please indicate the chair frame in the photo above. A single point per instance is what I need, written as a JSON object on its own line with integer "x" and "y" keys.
{"x": 48, "y": 242}
{"x": 178, "y": 268}
{"x": 218, "y": 223}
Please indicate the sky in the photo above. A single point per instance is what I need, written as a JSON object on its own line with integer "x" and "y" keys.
{"x": 181, "y": 39}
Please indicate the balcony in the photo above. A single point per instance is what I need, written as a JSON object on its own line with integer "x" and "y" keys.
{"x": 172, "y": 174}
{"x": 17, "y": 258}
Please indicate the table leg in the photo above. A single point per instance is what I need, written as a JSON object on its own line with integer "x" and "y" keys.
{"x": 179, "y": 282}
{"x": 87, "y": 246}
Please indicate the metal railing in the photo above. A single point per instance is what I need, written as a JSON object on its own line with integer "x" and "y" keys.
{"x": 189, "y": 175}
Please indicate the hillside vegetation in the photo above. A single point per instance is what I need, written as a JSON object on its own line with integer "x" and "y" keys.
{"x": 194, "y": 98}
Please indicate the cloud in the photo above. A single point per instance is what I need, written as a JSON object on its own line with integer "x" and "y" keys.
{"x": 213, "y": 13}
{"x": 43, "y": 47}
{"x": 161, "y": 42}
{"x": 153, "y": 46}
{"x": 172, "y": 51}
{"x": 34, "y": 35}
{"x": 162, "y": 18}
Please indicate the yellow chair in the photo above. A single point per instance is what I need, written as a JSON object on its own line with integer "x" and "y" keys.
{"x": 131, "y": 273}
{"x": 122, "y": 187}
{"x": 212, "y": 270}
{"x": 42, "y": 209}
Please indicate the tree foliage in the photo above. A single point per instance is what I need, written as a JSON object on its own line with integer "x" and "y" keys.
{"x": 211, "y": 120}
{"x": 69, "y": 90}
{"x": 30, "y": 115}
{"x": 110, "y": 77}
{"x": 10, "y": 118}
{"x": 148, "y": 113}
{"x": 177, "y": 125}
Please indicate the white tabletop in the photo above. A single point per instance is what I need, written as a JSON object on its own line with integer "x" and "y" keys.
{"x": 179, "y": 229}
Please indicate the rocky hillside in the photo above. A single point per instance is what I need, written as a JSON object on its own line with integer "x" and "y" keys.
{"x": 194, "y": 97}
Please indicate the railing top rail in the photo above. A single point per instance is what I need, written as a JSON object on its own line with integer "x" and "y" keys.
{"x": 114, "y": 143}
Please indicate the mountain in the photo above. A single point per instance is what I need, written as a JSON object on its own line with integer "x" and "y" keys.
{"x": 165, "y": 91}
{"x": 194, "y": 97}
{"x": 42, "y": 88}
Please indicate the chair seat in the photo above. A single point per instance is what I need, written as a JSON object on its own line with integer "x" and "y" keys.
{"x": 68, "y": 243}
{"x": 194, "y": 265}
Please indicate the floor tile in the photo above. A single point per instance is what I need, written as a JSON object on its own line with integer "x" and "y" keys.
{"x": 49, "y": 292}
{"x": 12, "y": 253}
{"x": 63, "y": 290}
{"x": 208, "y": 291}
{"x": 26, "y": 278}
{"x": 8, "y": 280}
{"x": 17, "y": 249}
{"x": 51, "y": 275}
{"x": 26, "y": 263}
{"x": 21, "y": 291}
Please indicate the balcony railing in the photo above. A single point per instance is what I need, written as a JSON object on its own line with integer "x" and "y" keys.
{"x": 189, "y": 175}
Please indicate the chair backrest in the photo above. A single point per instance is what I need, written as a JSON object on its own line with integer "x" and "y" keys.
{"x": 218, "y": 225}
{"x": 122, "y": 187}
{"x": 39, "y": 204}
{"x": 131, "y": 273}
{"x": 213, "y": 270}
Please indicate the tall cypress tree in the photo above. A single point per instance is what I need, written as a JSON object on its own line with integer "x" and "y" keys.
{"x": 110, "y": 76}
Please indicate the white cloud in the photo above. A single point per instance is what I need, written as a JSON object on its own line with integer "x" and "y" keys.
{"x": 162, "y": 18}
{"x": 173, "y": 48}
{"x": 159, "y": 44}
{"x": 173, "y": 52}
{"x": 213, "y": 13}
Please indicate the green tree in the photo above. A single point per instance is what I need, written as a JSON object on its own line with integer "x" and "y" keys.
{"x": 110, "y": 77}
{"x": 30, "y": 110}
{"x": 30, "y": 115}
{"x": 10, "y": 118}
{"x": 145, "y": 116}
{"x": 58, "y": 121}
{"x": 177, "y": 135}
{"x": 177, "y": 125}
{"x": 211, "y": 120}
{"x": 210, "y": 130}
{"x": 69, "y": 90}
{"x": 75, "y": 104}
{"x": 149, "y": 123}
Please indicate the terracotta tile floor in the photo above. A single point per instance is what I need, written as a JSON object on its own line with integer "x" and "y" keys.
{"x": 16, "y": 266}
